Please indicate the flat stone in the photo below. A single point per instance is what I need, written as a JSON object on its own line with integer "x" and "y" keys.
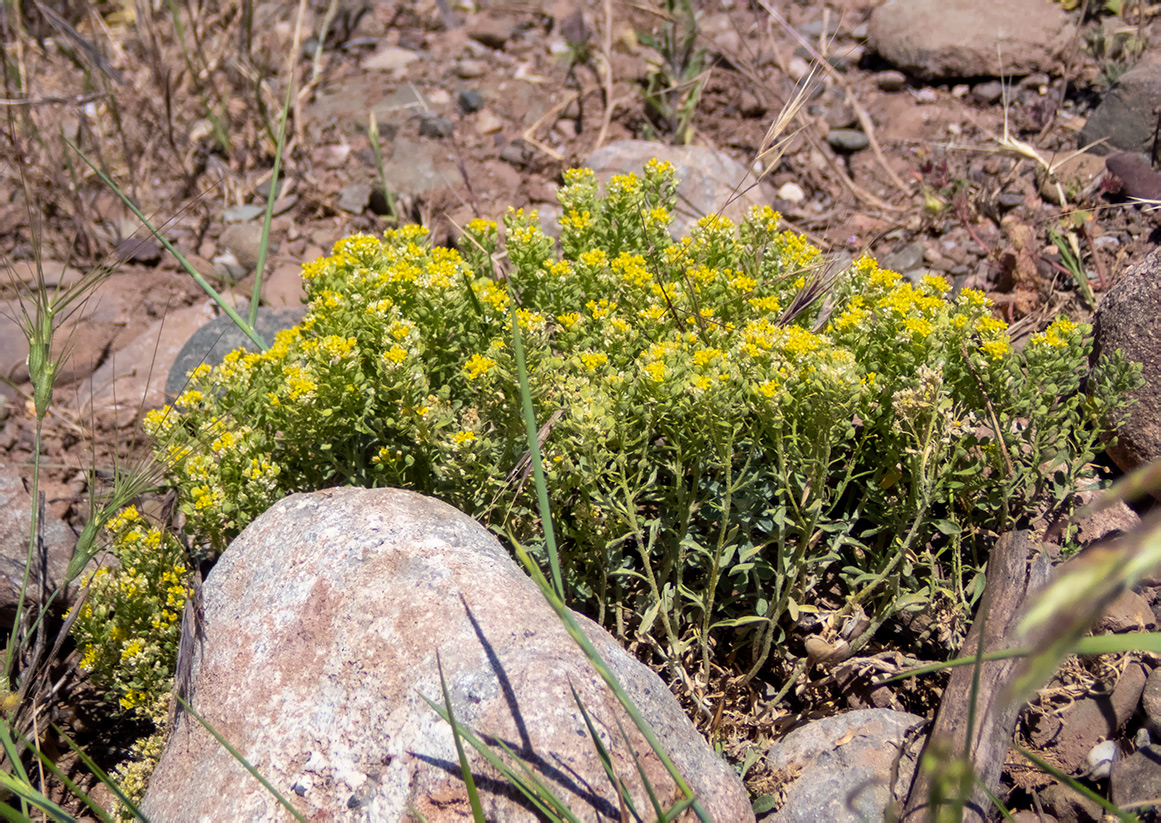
{"x": 354, "y": 198}
{"x": 891, "y": 80}
{"x": 436, "y": 127}
{"x": 488, "y": 123}
{"x": 1136, "y": 174}
{"x": 1137, "y": 778}
{"x": 391, "y": 58}
{"x": 948, "y": 39}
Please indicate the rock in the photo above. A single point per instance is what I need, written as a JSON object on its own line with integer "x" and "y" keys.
{"x": 517, "y": 153}
{"x": 243, "y": 213}
{"x": 220, "y": 336}
{"x": 470, "y": 68}
{"x": 1077, "y": 177}
{"x": 354, "y": 198}
{"x": 706, "y": 178}
{"x": 488, "y": 123}
{"x": 1126, "y": 320}
{"x": 1137, "y": 778}
{"x": 1136, "y": 174}
{"x": 417, "y": 166}
{"x": 134, "y": 377}
{"x": 891, "y": 80}
{"x": 139, "y": 249}
{"x": 797, "y": 68}
{"x": 791, "y": 193}
{"x": 283, "y": 286}
{"x": 1069, "y": 806}
{"x": 1130, "y": 612}
{"x": 750, "y": 105}
{"x": 470, "y": 101}
{"x": 436, "y": 127}
{"x": 59, "y": 542}
{"x": 244, "y": 240}
{"x": 988, "y": 93}
{"x": 391, "y": 58}
{"x": 849, "y": 767}
{"x": 492, "y": 32}
{"x": 1127, "y": 114}
{"x": 847, "y": 141}
{"x": 1070, "y": 734}
{"x": 323, "y": 621}
{"x": 1151, "y": 702}
{"x": 948, "y": 39}
{"x": 905, "y": 258}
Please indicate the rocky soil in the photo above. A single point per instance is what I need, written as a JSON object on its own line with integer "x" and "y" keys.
{"x": 922, "y": 140}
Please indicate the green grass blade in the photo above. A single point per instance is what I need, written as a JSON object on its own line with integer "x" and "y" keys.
{"x": 546, "y": 794}
{"x": 494, "y": 761}
{"x": 12, "y": 752}
{"x": 465, "y": 768}
{"x": 9, "y": 813}
{"x": 76, "y": 790}
{"x": 653, "y": 801}
{"x": 1078, "y": 787}
{"x": 603, "y": 754}
{"x": 534, "y": 450}
{"x": 264, "y": 242}
{"x": 26, "y": 792}
{"x": 266, "y": 784}
{"x": 194, "y": 273}
{"x": 100, "y": 774}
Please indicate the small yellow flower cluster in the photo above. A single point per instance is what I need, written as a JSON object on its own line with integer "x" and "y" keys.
{"x": 1056, "y": 335}
{"x": 478, "y": 366}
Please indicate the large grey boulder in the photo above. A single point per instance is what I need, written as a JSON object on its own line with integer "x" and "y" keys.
{"x": 949, "y": 39}
{"x": 1127, "y": 319}
{"x": 322, "y": 625}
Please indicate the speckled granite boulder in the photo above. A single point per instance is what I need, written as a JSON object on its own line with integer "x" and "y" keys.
{"x": 323, "y": 620}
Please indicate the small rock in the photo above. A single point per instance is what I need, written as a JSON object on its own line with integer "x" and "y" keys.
{"x": 244, "y": 241}
{"x": 517, "y": 153}
{"x": 436, "y": 127}
{"x": 470, "y": 68}
{"x": 488, "y": 123}
{"x": 391, "y": 58}
{"x": 791, "y": 193}
{"x": 847, "y": 141}
{"x": 891, "y": 81}
{"x": 243, "y": 213}
{"x": 1076, "y": 177}
{"x": 988, "y": 93}
{"x": 1126, "y": 319}
{"x": 948, "y": 39}
{"x": 926, "y": 96}
{"x": 1130, "y": 612}
{"x": 492, "y": 32}
{"x": 219, "y": 337}
{"x": 354, "y": 198}
{"x": 1138, "y": 177}
{"x": 750, "y": 105}
{"x": 797, "y": 68}
{"x": 228, "y": 269}
{"x": 330, "y": 157}
{"x": 138, "y": 250}
{"x": 1069, "y": 806}
{"x": 1137, "y": 778}
{"x": 844, "y": 769}
{"x": 470, "y": 101}
{"x": 1008, "y": 200}
{"x": 283, "y": 286}
{"x": 438, "y": 97}
{"x": 1127, "y": 116}
{"x": 1101, "y": 757}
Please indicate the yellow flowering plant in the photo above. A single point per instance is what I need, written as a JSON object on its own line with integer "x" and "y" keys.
{"x": 735, "y": 437}
{"x": 127, "y": 631}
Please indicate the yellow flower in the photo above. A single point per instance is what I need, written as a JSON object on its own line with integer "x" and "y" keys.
{"x": 594, "y": 360}
{"x": 707, "y": 356}
{"x": 768, "y": 389}
{"x": 656, "y": 371}
{"x": 996, "y": 349}
{"x": 462, "y": 437}
{"x": 478, "y": 365}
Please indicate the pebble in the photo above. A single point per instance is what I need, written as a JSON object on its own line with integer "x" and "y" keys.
{"x": 926, "y": 96}
{"x": 847, "y": 141}
{"x": 750, "y": 105}
{"x": 791, "y": 193}
{"x": 797, "y": 68}
{"x": 438, "y": 97}
{"x": 988, "y": 93}
{"x": 516, "y": 153}
{"x": 391, "y": 58}
{"x": 469, "y": 68}
{"x": 354, "y": 198}
{"x": 436, "y": 127}
{"x": 1101, "y": 757}
{"x": 243, "y": 213}
{"x": 891, "y": 81}
{"x": 1009, "y": 200}
{"x": 470, "y": 101}
{"x": 488, "y": 123}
